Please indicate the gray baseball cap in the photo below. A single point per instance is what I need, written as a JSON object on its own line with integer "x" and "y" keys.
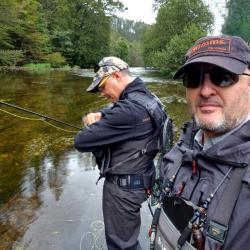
{"x": 228, "y": 52}
{"x": 106, "y": 67}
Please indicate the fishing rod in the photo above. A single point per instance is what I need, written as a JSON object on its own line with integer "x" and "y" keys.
{"x": 40, "y": 115}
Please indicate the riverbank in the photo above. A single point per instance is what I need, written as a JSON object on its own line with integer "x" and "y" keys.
{"x": 41, "y": 67}
{"x": 11, "y": 68}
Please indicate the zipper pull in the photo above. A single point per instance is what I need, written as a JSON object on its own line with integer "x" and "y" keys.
{"x": 181, "y": 189}
{"x": 194, "y": 169}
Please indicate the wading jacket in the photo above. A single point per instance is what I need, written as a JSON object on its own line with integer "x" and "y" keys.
{"x": 211, "y": 167}
{"x": 121, "y": 135}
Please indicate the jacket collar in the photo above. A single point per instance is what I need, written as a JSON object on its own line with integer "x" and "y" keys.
{"x": 136, "y": 85}
{"x": 235, "y": 147}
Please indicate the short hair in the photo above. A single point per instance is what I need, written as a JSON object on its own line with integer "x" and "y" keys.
{"x": 126, "y": 72}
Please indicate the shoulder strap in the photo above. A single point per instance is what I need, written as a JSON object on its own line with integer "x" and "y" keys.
{"x": 152, "y": 104}
{"x": 155, "y": 108}
{"x": 218, "y": 225}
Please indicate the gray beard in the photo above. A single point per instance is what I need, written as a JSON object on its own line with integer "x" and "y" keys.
{"x": 219, "y": 127}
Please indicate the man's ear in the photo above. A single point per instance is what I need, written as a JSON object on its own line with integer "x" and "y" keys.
{"x": 117, "y": 75}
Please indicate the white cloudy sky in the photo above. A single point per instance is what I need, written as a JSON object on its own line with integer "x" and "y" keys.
{"x": 141, "y": 10}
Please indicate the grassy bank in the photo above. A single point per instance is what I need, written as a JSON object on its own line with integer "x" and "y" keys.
{"x": 36, "y": 68}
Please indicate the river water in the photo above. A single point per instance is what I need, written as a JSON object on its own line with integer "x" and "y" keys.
{"x": 48, "y": 196}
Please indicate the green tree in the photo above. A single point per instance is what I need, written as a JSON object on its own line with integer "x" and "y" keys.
{"x": 31, "y": 33}
{"x": 8, "y": 26}
{"x": 10, "y": 57}
{"x": 59, "y": 23}
{"x": 121, "y": 49}
{"x": 140, "y": 28}
{"x": 132, "y": 31}
{"x": 22, "y": 30}
{"x": 173, "y": 55}
{"x": 8, "y": 22}
{"x": 237, "y": 21}
{"x": 90, "y": 25}
{"x": 172, "y": 18}
{"x": 149, "y": 45}
{"x": 135, "y": 55}
{"x": 34, "y": 31}
{"x": 125, "y": 42}
{"x": 124, "y": 27}
{"x": 78, "y": 29}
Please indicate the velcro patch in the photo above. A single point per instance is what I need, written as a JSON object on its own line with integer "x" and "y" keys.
{"x": 211, "y": 45}
{"x": 216, "y": 231}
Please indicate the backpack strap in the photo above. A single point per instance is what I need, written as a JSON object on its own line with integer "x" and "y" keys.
{"x": 160, "y": 119}
{"x": 152, "y": 104}
{"x": 218, "y": 225}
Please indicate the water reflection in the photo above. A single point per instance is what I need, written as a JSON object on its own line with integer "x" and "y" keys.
{"x": 149, "y": 75}
{"x": 72, "y": 217}
{"x": 48, "y": 196}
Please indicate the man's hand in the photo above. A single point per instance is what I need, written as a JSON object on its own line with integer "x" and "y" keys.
{"x": 91, "y": 118}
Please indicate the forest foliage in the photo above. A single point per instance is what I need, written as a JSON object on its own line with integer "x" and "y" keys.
{"x": 81, "y": 32}
{"x": 178, "y": 24}
{"x": 237, "y": 19}
{"x": 55, "y": 31}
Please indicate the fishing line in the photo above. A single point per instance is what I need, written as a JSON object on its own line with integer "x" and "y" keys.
{"x": 37, "y": 119}
{"x": 44, "y": 118}
{"x": 97, "y": 227}
{"x": 21, "y": 117}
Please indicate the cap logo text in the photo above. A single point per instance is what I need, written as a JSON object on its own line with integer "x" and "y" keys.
{"x": 212, "y": 45}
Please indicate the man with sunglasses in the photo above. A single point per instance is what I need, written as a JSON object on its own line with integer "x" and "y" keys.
{"x": 208, "y": 170}
{"x": 123, "y": 139}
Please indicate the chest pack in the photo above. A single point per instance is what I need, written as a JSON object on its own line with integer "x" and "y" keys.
{"x": 179, "y": 224}
{"x": 176, "y": 225}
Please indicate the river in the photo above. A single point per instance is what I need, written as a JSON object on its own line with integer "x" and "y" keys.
{"x": 48, "y": 196}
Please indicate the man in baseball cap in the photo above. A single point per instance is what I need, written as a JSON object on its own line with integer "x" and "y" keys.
{"x": 209, "y": 167}
{"x": 123, "y": 139}
{"x": 104, "y": 68}
{"x": 228, "y": 52}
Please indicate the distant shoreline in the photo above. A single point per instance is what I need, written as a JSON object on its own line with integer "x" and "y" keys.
{"x": 28, "y": 69}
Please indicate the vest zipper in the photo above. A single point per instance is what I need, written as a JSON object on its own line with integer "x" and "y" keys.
{"x": 235, "y": 164}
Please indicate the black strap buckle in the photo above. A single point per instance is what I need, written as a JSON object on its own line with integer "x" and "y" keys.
{"x": 217, "y": 231}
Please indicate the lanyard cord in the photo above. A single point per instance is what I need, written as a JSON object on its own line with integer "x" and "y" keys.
{"x": 211, "y": 195}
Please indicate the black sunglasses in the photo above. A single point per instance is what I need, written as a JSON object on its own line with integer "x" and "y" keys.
{"x": 220, "y": 77}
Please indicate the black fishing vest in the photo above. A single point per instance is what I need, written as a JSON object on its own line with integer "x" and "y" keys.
{"x": 134, "y": 156}
{"x": 212, "y": 165}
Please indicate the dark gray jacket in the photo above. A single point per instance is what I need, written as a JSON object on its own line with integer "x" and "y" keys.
{"x": 124, "y": 130}
{"x": 212, "y": 165}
